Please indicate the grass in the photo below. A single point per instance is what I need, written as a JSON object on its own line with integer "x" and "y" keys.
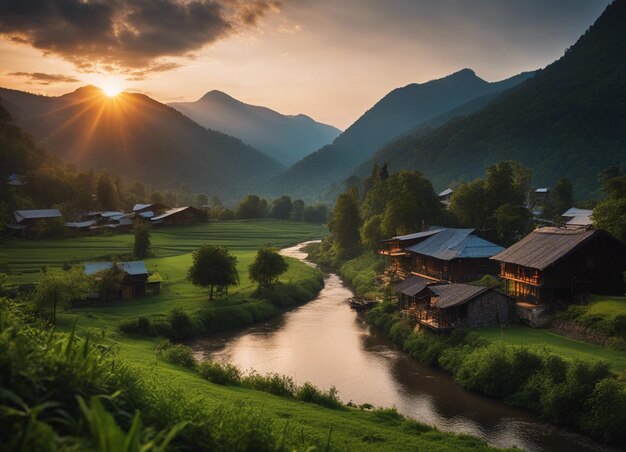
{"x": 347, "y": 429}
{"x": 607, "y": 307}
{"x": 561, "y": 345}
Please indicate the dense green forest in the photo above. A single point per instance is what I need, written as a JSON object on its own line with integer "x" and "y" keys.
{"x": 566, "y": 121}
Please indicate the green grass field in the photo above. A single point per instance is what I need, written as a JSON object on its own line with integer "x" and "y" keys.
{"x": 351, "y": 429}
{"x": 561, "y": 345}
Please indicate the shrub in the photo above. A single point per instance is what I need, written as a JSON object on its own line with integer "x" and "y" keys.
{"x": 605, "y": 416}
{"x": 218, "y": 373}
{"x": 178, "y": 354}
{"x": 277, "y": 384}
{"x": 309, "y": 393}
{"x": 182, "y": 324}
{"x": 141, "y": 326}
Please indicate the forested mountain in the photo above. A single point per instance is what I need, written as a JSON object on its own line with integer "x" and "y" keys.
{"x": 568, "y": 120}
{"x": 394, "y": 115}
{"x": 136, "y": 137}
{"x": 285, "y": 138}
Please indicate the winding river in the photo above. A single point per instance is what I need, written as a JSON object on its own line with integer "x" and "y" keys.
{"x": 327, "y": 343}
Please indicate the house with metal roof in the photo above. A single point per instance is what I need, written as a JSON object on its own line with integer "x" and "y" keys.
{"x": 454, "y": 255}
{"x": 551, "y": 266}
{"x": 446, "y": 196}
{"x": 134, "y": 284}
{"x": 578, "y": 217}
{"x": 180, "y": 216}
{"x": 443, "y": 306}
{"x": 23, "y": 220}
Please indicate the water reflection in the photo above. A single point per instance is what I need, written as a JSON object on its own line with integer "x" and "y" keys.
{"x": 328, "y": 344}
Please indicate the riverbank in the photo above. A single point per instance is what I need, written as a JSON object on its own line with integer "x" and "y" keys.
{"x": 220, "y": 417}
{"x": 565, "y": 385}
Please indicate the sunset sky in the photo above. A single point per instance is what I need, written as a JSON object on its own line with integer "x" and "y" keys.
{"x": 326, "y": 58}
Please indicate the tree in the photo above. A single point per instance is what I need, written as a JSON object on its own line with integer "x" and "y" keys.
{"x": 297, "y": 210}
{"x": 317, "y": 214}
{"x": 251, "y": 207}
{"x": 213, "y": 266}
{"x": 610, "y": 214}
{"x": 345, "y": 224}
{"x": 281, "y": 208}
{"x": 267, "y": 267}
{"x": 512, "y": 223}
{"x": 142, "y": 246}
{"x": 467, "y": 204}
{"x": 216, "y": 202}
{"x": 156, "y": 197}
{"x": 201, "y": 201}
{"x": 106, "y": 192}
{"x": 107, "y": 283}
{"x": 560, "y": 199}
{"x": 58, "y": 288}
{"x": 371, "y": 232}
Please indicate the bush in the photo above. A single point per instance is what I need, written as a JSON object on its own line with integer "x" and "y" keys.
{"x": 309, "y": 393}
{"x": 182, "y": 324}
{"x": 179, "y": 355}
{"x": 141, "y": 326}
{"x": 277, "y": 384}
{"x": 218, "y": 373}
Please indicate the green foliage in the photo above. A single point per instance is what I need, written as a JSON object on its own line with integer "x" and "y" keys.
{"x": 251, "y": 207}
{"x": 345, "y": 224}
{"x": 281, "y": 208}
{"x": 107, "y": 283}
{"x": 317, "y": 214}
{"x": 267, "y": 267}
{"x": 57, "y": 289}
{"x": 213, "y": 266}
{"x": 361, "y": 273}
{"x": 142, "y": 245}
{"x": 106, "y": 193}
{"x": 371, "y": 232}
{"x": 311, "y": 394}
{"x": 177, "y": 354}
{"x": 560, "y": 198}
{"x": 277, "y": 384}
{"x": 297, "y": 211}
{"x": 220, "y": 373}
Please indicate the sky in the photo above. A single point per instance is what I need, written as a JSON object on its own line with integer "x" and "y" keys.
{"x": 329, "y": 59}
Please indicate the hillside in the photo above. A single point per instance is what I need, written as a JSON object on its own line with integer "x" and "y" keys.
{"x": 394, "y": 115}
{"x": 285, "y": 138}
{"x": 567, "y": 121}
{"x": 137, "y": 137}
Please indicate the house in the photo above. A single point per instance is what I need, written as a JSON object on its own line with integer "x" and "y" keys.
{"x": 149, "y": 210}
{"x": 135, "y": 280}
{"x": 395, "y": 249}
{"x": 552, "y": 265}
{"x": 578, "y": 217}
{"x": 443, "y": 306}
{"x": 445, "y": 196}
{"x": 25, "y": 219}
{"x": 180, "y": 216}
{"x": 454, "y": 255}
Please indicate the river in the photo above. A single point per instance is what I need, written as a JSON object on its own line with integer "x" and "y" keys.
{"x": 328, "y": 344}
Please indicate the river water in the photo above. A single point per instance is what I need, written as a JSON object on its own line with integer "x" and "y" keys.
{"x": 328, "y": 344}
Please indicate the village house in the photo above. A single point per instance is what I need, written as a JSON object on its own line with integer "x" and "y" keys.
{"x": 442, "y": 254}
{"x": 551, "y": 266}
{"x": 443, "y": 306}
{"x": 578, "y": 217}
{"x": 136, "y": 279}
{"x": 180, "y": 216}
{"x": 25, "y": 220}
{"x": 446, "y": 196}
{"x": 150, "y": 210}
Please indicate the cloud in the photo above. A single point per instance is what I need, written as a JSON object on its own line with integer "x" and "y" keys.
{"x": 41, "y": 78}
{"x": 133, "y": 37}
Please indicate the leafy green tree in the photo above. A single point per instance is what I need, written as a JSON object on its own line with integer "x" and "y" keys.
{"x": 251, "y": 207}
{"x": 58, "y": 288}
{"x": 560, "y": 199}
{"x": 371, "y": 232}
{"x": 344, "y": 225}
{"x": 107, "y": 283}
{"x": 297, "y": 210}
{"x": 106, "y": 193}
{"x": 216, "y": 202}
{"x": 142, "y": 246}
{"x": 281, "y": 208}
{"x": 201, "y": 201}
{"x": 267, "y": 267}
{"x": 610, "y": 214}
{"x": 467, "y": 204}
{"x": 213, "y": 266}
{"x": 317, "y": 214}
{"x": 156, "y": 197}
{"x": 512, "y": 223}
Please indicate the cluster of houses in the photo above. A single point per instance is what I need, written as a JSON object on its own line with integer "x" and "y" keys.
{"x": 546, "y": 270}
{"x": 156, "y": 214}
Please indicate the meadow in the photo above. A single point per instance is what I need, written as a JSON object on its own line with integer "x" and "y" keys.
{"x": 345, "y": 429}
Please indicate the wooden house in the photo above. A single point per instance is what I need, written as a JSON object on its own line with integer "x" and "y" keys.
{"x": 454, "y": 255}
{"x": 395, "y": 249}
{"x": 551, "y": 266}
{"x": 135, "y": 280}
{"x": 180, "y": 216}
{"x": 148, "y": 211}
{"x": 442, "y": 306}
{"x": 23, "y": 220}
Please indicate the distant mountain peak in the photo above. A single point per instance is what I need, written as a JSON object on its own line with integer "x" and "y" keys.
{"x": 216, "y": 94}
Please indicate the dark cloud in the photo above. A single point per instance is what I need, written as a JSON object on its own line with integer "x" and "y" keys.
{"x": 129, "y": 36}
{"x": 41, "y": 78}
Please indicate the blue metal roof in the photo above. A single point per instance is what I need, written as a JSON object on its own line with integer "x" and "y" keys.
{"x": 417, "y": 235}
{"x": 451, "y": 243}
{"x": 131, "y": 268}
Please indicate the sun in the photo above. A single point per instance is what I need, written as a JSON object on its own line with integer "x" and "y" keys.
{"x": 111, "y": 89}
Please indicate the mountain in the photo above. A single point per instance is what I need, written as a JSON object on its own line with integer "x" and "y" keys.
{"x": 394, "y": 115}
{"x": 137, "y": 137}
{"x": 285, "y": 138}
{"x": 568, "y": 120}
